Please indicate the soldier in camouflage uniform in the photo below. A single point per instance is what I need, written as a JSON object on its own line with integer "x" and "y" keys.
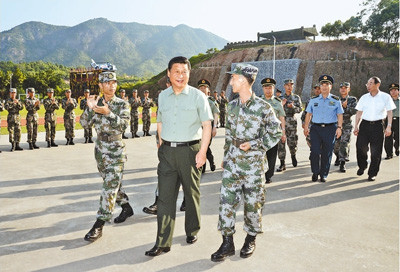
{"x": 110, "y": 117}
{"x": 50, "y": 118}
{"x": 87, "y": 131}
{"x": 13, "y": 106}
{"x": 147, "y": 103}
{"x": 135, "y": 104}
{"x": 342, "y": 144}
{"x": 292, "y": 105}
{"x": 222, "y": 108}
{"x": 69, "y": 104}
{"x": 251, "y": 129}
{"x": 317, "y": 92}
{"x": 123, "y": 96}
{"x": 32, "y": 105}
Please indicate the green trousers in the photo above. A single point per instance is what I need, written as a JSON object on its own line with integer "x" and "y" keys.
{"x": 177, "y": 165}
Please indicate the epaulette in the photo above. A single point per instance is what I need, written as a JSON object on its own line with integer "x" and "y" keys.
{"x": 314, "y": 96}
{"x": 335, "y": 97}
{"x": 277, "y": 98}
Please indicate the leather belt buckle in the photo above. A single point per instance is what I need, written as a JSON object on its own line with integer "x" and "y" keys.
{"x": 323, "y": 125}
{"x": 173, "y": 144}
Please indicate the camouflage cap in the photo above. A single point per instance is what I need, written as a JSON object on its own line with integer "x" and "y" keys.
{"x": 122, "y": 91}
{"x": 245, "y": 70}
{"x": 203, "y": 82}
{"x": 326, "y": 79}
{"x": 268, "y": 82}
{"x": 146, "y": 91}
{"x": 30, "y": 90}
{"x": 345, "y": 84}
{"x": 13, "y": 90}
{"x": 394, "y": 86}
{"x": 288, "y": 81}
{"x": 107, "y": 76}
{"x": 87, "y": 91}
{"x": 50, "y": 90}
{"x": 316, "y": 86}
{"x": 134, "y": 91}
{"x": 68, "y": 90}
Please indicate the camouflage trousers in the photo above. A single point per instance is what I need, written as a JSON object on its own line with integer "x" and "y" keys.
{"x": 69, "y": 125}
{"x": 342, "y": 145}
{"x": 87, "y": 132}
{"x": 112, "y": 192}
{"x": 50, "y": 126}
{"x": 146, "y": 120}
{"x": 32, "y": 127}
{"x": 234, "y": 185}
{"x": 222, "y": 118}
{"x": 14, "y": 128}
{"x": 134, "y": 123}
{"x": 291, "y": 138}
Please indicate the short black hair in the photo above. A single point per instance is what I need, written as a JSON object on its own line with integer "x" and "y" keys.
{"x": 376, "y": 79}
{"x": 250, "y": 80}
{"x": 179, "y": 59}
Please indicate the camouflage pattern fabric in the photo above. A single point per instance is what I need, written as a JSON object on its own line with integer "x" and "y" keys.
{"x": 110, "y": 155}
{"x": 146, "y": 117}
{"x": 50, "y": 118}
{"x": 222, "y": 110}
{"x": 13, "y": 120}
{"x": 254, "y": 122}
{"x": 69, "y": 116}
{"x": 303, "y": 119}
{"x": 87, "y": 131}
{"x": 135, "y": 104}
{"x": 32, "y": 118}
{"x": 342, "y": 145}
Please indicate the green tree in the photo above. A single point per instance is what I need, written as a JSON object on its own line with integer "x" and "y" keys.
{"x": 352, "y": 25}
{"x": 327, "y": 30}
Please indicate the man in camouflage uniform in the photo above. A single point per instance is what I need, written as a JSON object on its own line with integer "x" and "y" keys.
{"x": 292, "y": 105}
{"x": 216, "y": 101}
{"x": 13, "y": 106}
{"x": 123, "y": 96}
{"x": 222, "y": 108}
{"x": 317, "y": 92}
{"x": 147, "y": 103}
{"x": 87, "y": 131}
{"x": 50, "y": 118}
{"x": 135, "y": 104}
{"x": 69, "y": 104}
{"x": 251, "y": 129}
{"x": 110, "y": 117}
{"x": 32, "y": 105}
{"x": 342, "y": 144}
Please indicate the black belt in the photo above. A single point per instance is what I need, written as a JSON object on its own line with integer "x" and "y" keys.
{"x": 179, "y": 144}
{"x": 372, "y": 122}
{"x": 395, "y": 118}
{"x": 324, "y": 125}
{"x": 109, "y": 138}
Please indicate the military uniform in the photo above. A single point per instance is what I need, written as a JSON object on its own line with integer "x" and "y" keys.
{"x": 135, "y": 104}
{"x": 87, "y": 131}
{"x": 290, "y": 127}
{"x": 147, "y": 103}
{"x": 393, "y": 140}
{"x": 32, "y": 105}
{"x": 50, "y": 118}
{"x": 222, "y": 110}
{"x": 69, "y": 118}
{"x": 14, "y": 121}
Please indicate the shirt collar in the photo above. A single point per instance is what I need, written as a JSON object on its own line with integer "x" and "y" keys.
{"x": 170, "y": 90}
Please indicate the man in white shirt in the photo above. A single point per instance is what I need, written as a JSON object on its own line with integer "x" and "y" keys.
{"x": 372, "y": 108}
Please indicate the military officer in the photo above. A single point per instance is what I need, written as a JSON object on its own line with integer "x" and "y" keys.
{"x": 268, "y": 85}
{"x": 50, "y": 118}
{"x": 393, "y": 140}
{"x": 135, "y": 104}
{"x": 316, "y": 92}
{"x": 292, "y": 105}
{"x": 13, "y": 106}
{"x": 69, "y": 104}
{"x": 342, "y": 144}
{"x": 326, "y": 113}
{"x": 123, "y": 96}
{"x": 32, "y": 105}
{"x": 222, "y": 108}
{"x": 110, "y": 117}
{"x": 147, "y": 103}
{"x": 251, "y": 129}
{"x": 87, "y": 131}
{"x": 204, "y": 86}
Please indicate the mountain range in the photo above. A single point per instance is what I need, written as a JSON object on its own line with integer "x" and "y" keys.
{"x": 136, "y": 49}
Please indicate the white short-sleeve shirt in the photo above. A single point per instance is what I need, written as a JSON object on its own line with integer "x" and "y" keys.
{"x": 375, "y": 107}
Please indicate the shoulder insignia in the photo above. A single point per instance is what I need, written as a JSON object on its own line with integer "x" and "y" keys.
{"x": 335, "y": 97}
{"x": 314, "y": 96}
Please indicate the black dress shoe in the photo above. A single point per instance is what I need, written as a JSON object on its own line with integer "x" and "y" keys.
{"x": 155, "y": 251}
{"x": 281, "y": 168}
{"x": 337, "y": 162}
{"x": 95, "y": 232}
{"x": 212, "y": 167}
{"x": 388, "y": 157}
{"x": 152, "y": 209}
{"x": 323, "y": 179}
{"x": 126, "y": 212}
{"x": 360, "y": 171}
{"x": 294, "y": 160}
{"x": 226, "y": 249}
{"x": 268, "y": 180}
{"x": 396, "y": 152}
{"x": 191, "y": 239}
{"x": 183, "y": 206}
{"x": 342, "y": 167}
{"x": 314, "y": 177}
{"x": 371, "y": 178}
{"x": 248, "y": 247}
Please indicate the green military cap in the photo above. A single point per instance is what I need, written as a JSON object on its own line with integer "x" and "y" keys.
{"x": 288, "y": 81}
{"x": 203, "y": 82}
{"x": 146, "y": 91}
{"x": 87, "y": 91}
{"x": 50, "y": 90}
{"x": 246, "y": 70}
{"x": 316, "y": 86}
{"x": 30, "y": 90}
{"x": 268, "y": 82}
{"x": 345, "y": 84}
{"x": 107, "y": 76}
{"x": 134, "y": 91}
{"x": 13, "y": 90}
{"x": 326, "y": 79}
{"x": 68, "y": 90}
{"x": 394, "y": 86}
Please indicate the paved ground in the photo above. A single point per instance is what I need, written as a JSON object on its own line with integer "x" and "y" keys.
{"x": 49, "y": 198}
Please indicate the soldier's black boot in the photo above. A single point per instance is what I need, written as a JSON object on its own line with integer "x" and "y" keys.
{"x": 126, "y": 212}
{"x": 90, "y": 141}
{"x": 95, "y": 232}
{"x": 86, "y": 140}
{"x": 34, "y": 145}
{"x": 152, "y": 209}
{"x": 53, "y": 143}
{"x": 226, "y": 249}
{"x": 123, "y": 136}
{"x": 248, "y": 247}
{"x": 67, "y": 141}
{"x": 12, "y": 146}
{"x": 133, "y": 135}
{"x": 337, "y": 162}
{"x": 48, "y": 144}
{"x": 282, "y": 167}
{"x": 183, "y": 206}
{"x": 17, "y": 147}
{"x": 294, "y": 160}
{"x": 137, "y": 136}
{"x": 71, "y": 141}
{"x": 343, "y": 166}
{"x": 30, "y": 146}
{"x": 147, "y": 133}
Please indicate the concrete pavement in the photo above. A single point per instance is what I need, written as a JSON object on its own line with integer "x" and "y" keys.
{"x": 49, "y": 197}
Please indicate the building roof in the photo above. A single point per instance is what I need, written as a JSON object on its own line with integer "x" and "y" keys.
{"x": 289, "y": 35}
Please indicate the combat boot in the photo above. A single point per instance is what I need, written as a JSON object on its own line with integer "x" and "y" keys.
{"x": 67, "y": 141}
{"x": 337, "y": 162}
{"x": 137, "y": 136}
{"x": 71, "y": 141}
{"x": 282, "y": 167}
{"x": 17, "y": 147}
{"x": 147, "y": 133}
{"x": 123, "y": 136}
{"x": 95, "y": 232}
{"x": 248, "y": 247}
{"x": 12, "y": 146}
{"x": 34, "y": 145}
{"x": 30, "y": 146}
{"x": 126, "y": 212}
{"x": 294, "y": 160}
{"x": 343, "y": 166}
{"x": 152, "y": 209}
{"x": 86, "y": 140}
{"x": 226, "y": 249}
{"x": 53, "y": 143}
{"x": 90, "y": 141}
{"x": 48, "y": 144}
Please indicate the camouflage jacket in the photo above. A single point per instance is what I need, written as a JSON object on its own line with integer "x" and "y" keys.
{"x": 50, "y": 105}
{"x": 222, "y": 104}
{"x": 83, "y": 104}
{"x": 350, "y": 110}
{"x": 254, "y": 122}
{"x": 147, "y": 104}
{"x": 30, "y": 105}
{"x": 69, "y": 107}
{"x": 213, "y": 105}
{"x": 13, "y": 108}
{"x": 297, "y": 106}
{"x": 111, "y": 125}
{"x": 135, "y": 104}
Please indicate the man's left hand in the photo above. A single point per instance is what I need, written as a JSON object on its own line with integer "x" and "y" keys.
{"x": 388, "y": 131}
{"x": 105, "y": 110}
{"x": 338, "y": 133}
{"x": 200, "y": 159}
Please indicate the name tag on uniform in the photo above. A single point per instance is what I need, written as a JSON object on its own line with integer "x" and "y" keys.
{"x": 315, "y": 104}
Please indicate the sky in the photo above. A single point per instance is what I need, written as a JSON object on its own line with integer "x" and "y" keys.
{"x": 233, "y": 20}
